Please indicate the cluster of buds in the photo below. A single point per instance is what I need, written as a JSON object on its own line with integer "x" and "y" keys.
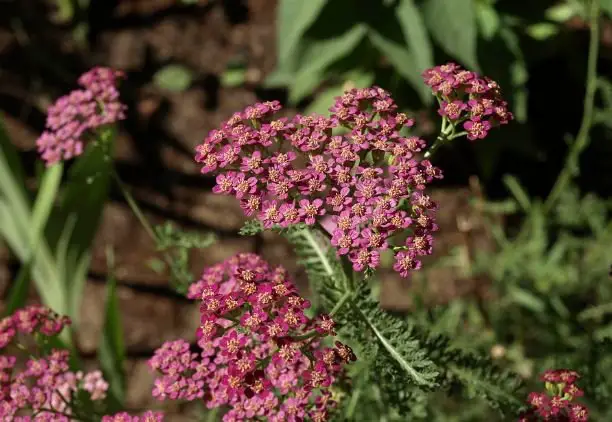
{"x": 355, "y": 167}
{"x": 41, "y": 385}
{"x": 557, "y": 403}
{"x": 466, "y": 98}
{"x": 260, "y": 355}
{"x": 76, "y": 116}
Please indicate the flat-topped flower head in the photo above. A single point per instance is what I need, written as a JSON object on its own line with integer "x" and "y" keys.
{"x": 264, "y": 357}
{"x": 468, "y": 100}
{"x": 73, "y": 119}
{"x": 353, "y": 170}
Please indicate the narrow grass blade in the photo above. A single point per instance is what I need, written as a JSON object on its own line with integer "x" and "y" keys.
{"x": 111, "y": 351}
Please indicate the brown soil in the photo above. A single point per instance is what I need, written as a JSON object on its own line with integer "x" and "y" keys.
{"x": 155, "y": 153}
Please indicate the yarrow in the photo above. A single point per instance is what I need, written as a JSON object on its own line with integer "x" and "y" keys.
{"x": 466, "y": 98}
{"x": 148, "y": 416}
{"x": 557, "y": 403}
{"x": 354, "y": 167}
{"x": 42, "y": 385}
{"x": 74, "y": 117}
{"x": 260, "y": 355}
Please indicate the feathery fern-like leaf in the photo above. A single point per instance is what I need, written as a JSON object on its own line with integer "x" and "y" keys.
{"x": 322, "y": 265}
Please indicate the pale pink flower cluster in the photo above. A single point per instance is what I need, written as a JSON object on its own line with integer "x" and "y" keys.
{"x": 73, "y": 118}
{"x": 41, "y": 386}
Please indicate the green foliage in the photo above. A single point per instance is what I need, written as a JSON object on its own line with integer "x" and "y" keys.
{"x": 251, "y": 228}
{"x": 173, "y": 78}
{"x": 326, "y": 274}
{"x": 111, "y": 351}
{"x": 176, "y": 245}
{"x": 52, "y": 234}
{"x": 401, "y": 362}
{"x": 453, "y": 26}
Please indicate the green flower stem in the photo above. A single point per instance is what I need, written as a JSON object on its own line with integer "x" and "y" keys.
{"x": 305, "y": 336}
{"x": 571, "y": 167}
{"x": 582, "y": 140}
{"x": 167, "y": 257}
{"x": 134, "y": 206}
{"x": 340, "y": 304}
{"x": 440, "y": 140}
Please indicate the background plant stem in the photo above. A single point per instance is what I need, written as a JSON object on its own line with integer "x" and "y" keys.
{"x": 571, "y": 167}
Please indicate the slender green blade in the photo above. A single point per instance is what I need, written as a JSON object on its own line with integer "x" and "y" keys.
{"x": 111, "y": 351}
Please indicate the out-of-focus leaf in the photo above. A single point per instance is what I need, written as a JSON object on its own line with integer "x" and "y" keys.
{"x": 15, "y": 215}
{"x": 83, "y": 202}
{"x": 173, "y": 77}
{"x": 527, "y": 299}
{"x": 233, "y": 77}
{"x": 294, "y": 17}
{"x": 356, "y": 79}
{"x": 19, "y": 290}
{"x": 453, "y": 25}
{"x": 156, "y": 265}
{"x": 111, "y": 351}
{"x": 7, "y": 149}
{"x": 518, "y": 192}
{"x": 42, "y": 209}
{"x": 45, "y": 200}
{"x": 606, "y": 7}
{"x": 561, "y": 12}
{"x": 542, "y": 31}
{"x": 416, "y": 35}
{"x": 402, "y": 61}
{"x": 488, "y": 19}
{"x": 518, "y": 72}
{"x": 320, "y": 55}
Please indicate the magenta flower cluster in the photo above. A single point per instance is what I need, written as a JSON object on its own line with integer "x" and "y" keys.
{"x": 557, "y": 403}
{"x": 40, "y": 385}
{"x": 148, "y": 416}
{"x": 466, "y": 98}
{"x": 260, "y": 355}
{"x": 355, "y": 167}
{"x": 75, "y": 117}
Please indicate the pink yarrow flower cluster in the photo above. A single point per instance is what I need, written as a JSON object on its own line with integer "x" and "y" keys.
{"x": 148, "y": 416}
{"x": 75, "y": 117}
{"x": 557, "y": 403}
{"x": 39, "y": 385}
{"x": 466, "y": 98}
{"x": 260, "y": 355}
{"x": 354, "y": 167}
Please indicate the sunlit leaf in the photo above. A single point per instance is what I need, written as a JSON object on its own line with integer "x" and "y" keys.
{"x": 173, "y": 77}
{"x": 324, "y": 100}
{"x": 415, "y": 32}
{"x": 294, "y": 17}
{"x": 542, "y": 31}
{"x": 402, "y": 61}
{"x": 321, "y": 54}
{"x": 453, "y": 25}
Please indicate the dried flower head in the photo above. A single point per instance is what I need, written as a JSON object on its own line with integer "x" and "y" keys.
{"x": 73, "y": 118}
{"x": 354, "y": 167}
{"x": 259, "y": 353}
